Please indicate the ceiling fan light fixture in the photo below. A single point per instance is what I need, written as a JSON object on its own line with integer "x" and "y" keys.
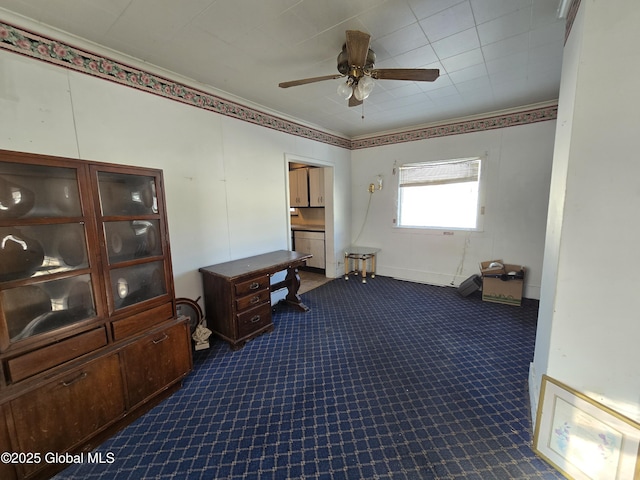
{"x": 345, "y": 90}
{"x": 363, "y": 88}
{"x": 367, "y": 84}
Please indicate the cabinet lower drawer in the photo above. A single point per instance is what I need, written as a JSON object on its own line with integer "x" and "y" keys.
{"x": 254, "y": 319}
{"x": 40, "y": 360}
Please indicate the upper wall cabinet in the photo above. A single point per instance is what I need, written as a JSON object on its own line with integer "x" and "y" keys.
{"x": 306, "y": 187}
{"x": 298, "y": 188}
{"x": 316, "y": 187}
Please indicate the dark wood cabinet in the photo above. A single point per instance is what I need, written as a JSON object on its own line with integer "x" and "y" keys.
{"x": 88, "y": 330}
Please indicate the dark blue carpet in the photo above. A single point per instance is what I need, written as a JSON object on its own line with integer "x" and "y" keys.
{"x": 384, "y": 380}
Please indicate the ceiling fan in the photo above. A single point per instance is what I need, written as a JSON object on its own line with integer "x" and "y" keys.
{"x": 356, "y": 62}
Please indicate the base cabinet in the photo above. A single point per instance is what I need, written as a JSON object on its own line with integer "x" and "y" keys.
{"x": 313, "y": 243}
{"x": 59, "y": 415}
{"x": 156, "y": 361}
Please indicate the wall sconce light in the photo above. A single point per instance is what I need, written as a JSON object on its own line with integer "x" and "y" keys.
{"x": 376, "y": 186}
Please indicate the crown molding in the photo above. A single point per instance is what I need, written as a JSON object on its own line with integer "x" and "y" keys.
{"x": 40, "y": 42}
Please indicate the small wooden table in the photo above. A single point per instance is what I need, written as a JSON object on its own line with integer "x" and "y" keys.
{"x": 361, "y": 255}
{"x": 237, "y": 294}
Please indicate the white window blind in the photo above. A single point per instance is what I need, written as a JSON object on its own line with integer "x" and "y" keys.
{"x": 439, "y": 173}
{"x": 440, "y": 194}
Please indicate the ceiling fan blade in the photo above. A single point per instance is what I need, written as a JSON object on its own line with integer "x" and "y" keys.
{"x": 304, "y": 81}
{"x": 357, "y": 47}
{"x": 415, "y": 74}
{"x": 354, "y": 102}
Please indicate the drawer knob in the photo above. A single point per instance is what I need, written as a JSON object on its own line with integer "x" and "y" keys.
{"x": 255, "y": 319}
{"x": 254, "y": 300}
{"x": 254, "y": 286}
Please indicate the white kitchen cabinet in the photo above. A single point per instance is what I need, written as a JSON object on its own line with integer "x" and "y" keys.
{"x": 316, "y": 187}
{"x": 313, "y": 243}
{"x": 298, "y": 188}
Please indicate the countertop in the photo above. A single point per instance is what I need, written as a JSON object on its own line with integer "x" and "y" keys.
{"x": 308, "y": 228}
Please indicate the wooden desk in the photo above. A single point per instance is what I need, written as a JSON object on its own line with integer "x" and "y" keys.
{"x": 237, "y": 294}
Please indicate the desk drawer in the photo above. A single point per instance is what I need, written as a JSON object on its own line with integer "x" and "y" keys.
{"x": 254, "y": 319}
{"x": 250, "y": 286}
{"x": 253, "y": 300}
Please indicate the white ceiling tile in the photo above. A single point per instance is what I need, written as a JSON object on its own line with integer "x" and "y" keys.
{"x": 448, "y": 22}
{"x": 506, "y": 26}
{"x": 508, "y": 63}
{"x": 404, "y": 89}
{"x": 456, "y": 44}
{"x": 469, "y": 73}
{"x": 508, "y": 46}
{"x": 404, "y": 40}
{"x": 326, "y": 14}
{"x": 417, "y": 58}
{"x": 477, "y": 86}
{"x": 447, "y": 91}
{"x": 423, "y": 9}
{"x": 486, "y": 10}
{"x": 550, "y": 33}
{"x": 464, "y": 60}
{"x": 387, "y": 18}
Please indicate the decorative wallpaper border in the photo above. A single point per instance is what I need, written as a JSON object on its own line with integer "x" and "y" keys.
{"x": 30, "y": 44}
{"x": 467, "y": 126}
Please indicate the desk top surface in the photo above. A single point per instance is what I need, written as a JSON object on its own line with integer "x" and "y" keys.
{"x": 271, "y": 262}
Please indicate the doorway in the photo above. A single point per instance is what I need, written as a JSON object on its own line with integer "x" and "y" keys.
{"x": 310, "y": 212}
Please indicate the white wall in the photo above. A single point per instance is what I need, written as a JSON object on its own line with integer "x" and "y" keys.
{"x": 225, "y": 179}
{"x": 516, "y": 174}
{"x": 588, "y": 331}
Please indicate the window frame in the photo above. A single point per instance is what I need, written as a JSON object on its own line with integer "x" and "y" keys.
{"x": 480, "y": 206}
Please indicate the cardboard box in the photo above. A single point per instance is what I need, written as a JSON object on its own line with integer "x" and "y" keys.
{"x": 500, "y": 287}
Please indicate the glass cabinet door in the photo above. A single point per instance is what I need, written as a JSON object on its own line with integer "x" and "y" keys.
{"x": 133, "y": 241}
{"x": 46, "y": 306}
{"x": 45, "y": 273}
{"x": 125, "y": 194}
{"x": 38, "y": 191}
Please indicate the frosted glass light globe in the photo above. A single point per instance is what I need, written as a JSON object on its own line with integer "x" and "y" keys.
{"x": 345, "y": 90}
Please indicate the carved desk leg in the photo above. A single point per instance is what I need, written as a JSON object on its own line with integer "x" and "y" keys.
{"x": 293, "y": 284}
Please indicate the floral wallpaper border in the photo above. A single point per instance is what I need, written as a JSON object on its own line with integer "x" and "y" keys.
{"x": 467, "y": 126}
{"x": 30, "y": 44}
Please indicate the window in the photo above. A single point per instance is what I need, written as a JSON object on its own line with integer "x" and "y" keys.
{"x": 440, "y": 194}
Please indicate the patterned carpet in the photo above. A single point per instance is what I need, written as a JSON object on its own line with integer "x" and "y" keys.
{"x": 384, "y": 380}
